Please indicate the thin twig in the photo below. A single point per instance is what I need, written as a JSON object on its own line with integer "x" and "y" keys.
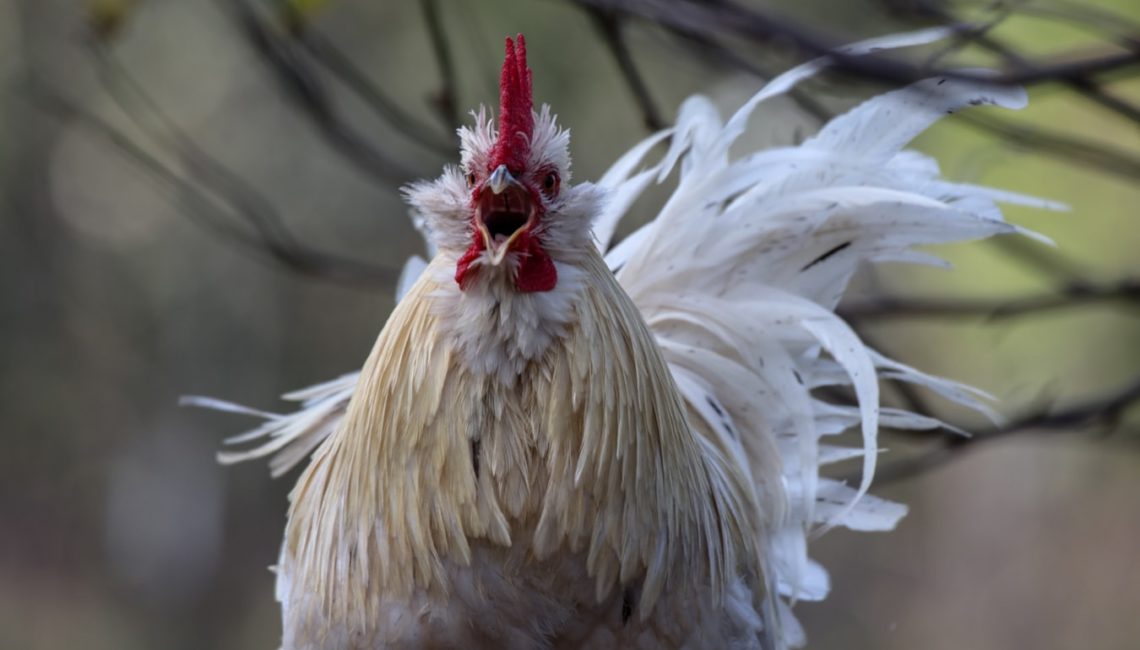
{"x": 1088, "y": 15}
{"x": 1102, "y": 411}
{"x": 341, "y": 66}
{"x": 306, "y": 87}
{"x": 729, "y": 18}
{"x": 446, "y": 99}
{"x": 1057, "y": 144}
{"x": 146, "y": 114}
{"x": 206, "y": 207}
{"x": 610, "y": 28}
{"x": 696, "y": 27}
{"x": 909, "y": 394}
{"x": 1083, "y": 85}
{"x": 711, "y": 48}
{"x": 962, "y": 38}
{"x": 1125, "y": 292}
{"x": 1041, "y": 258}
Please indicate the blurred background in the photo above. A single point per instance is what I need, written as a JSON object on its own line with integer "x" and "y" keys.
{"x": 200, "y": 197}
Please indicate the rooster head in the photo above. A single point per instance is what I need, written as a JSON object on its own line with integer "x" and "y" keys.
{"x": 508, "y": 209}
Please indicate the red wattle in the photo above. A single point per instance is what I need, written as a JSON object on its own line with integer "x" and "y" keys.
{"x": 536, "y": 271}
{"x": 536, "y": 268}
{"x": 463, "y": 268}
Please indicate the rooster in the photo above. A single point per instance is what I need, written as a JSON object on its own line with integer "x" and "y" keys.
{"x": 556, "y": 443}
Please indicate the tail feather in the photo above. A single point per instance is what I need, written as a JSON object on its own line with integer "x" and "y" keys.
{"x": 876, "y": 130}
{"x": 287, "y": 439}
{"x": 738, "y": 277}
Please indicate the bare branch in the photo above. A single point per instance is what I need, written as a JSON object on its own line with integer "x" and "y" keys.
{"x": 1059, "y": 145}
{"x": 1103, "y": 22}
{"x": 445, "y": 99}
{"x": 306, "y": 88}
{"x": 341, "y": 66}
{"x": 1125, "y": 292}
{"x": 726, "y": 17}
{"x": 610, "y": 28}
{"x": 311, "y": 67}
{"x": 1083, "y": 85}
{"x": 1041, "y": 258}
{"x": 710, "y": 48}
{"x": 220, "y": 215}
{"x": 1105, "y": 411}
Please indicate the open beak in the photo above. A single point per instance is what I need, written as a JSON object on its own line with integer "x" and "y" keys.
{"x": 504, "y": 211}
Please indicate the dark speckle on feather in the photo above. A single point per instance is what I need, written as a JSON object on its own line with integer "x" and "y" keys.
{"x": 476, "y": 451}
{"x": 714, "y": 406}
{"x": 823, "y": 258}
{"x": 725, "y": 421}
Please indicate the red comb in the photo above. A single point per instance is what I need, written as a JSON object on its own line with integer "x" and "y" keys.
{"x": 516, "y": 119}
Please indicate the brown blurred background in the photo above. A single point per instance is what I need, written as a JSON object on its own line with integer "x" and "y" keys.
{"x": 120, "y": 290}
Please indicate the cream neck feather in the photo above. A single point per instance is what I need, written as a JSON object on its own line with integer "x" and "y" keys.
{"x": 497, "y": 329}
{"x": 590, "y": 454}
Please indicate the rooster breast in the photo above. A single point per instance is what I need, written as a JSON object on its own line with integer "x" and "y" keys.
{"x": 567, "y": 504}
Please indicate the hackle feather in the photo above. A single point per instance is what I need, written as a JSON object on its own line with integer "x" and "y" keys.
{"x": 713, "y": 324}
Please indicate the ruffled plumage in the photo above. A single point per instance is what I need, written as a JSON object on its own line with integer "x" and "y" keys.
{"x": 738, "y": 277}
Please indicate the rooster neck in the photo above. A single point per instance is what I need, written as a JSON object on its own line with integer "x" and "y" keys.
{"x": 497, "y": 329}
{"x": 584, "y": 454}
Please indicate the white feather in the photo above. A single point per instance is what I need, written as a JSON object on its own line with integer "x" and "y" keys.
{"x": 738, "y": 277}
{"x": 408, "y": 276}
{"x": 876, "y": 130}
{"x": 622, "y": 189}
{"x": 751, "y": 254}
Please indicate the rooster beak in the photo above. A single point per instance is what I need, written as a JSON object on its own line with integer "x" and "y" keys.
{"x": 501, "y": 179}
{"x": 505, "y": 212}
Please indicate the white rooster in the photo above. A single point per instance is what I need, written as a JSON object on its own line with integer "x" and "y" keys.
{"x": 556, "y": 443}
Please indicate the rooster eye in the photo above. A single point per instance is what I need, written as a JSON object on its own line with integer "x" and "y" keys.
{"x": 550, "y": 183}
{"x": 470, "y": 180}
